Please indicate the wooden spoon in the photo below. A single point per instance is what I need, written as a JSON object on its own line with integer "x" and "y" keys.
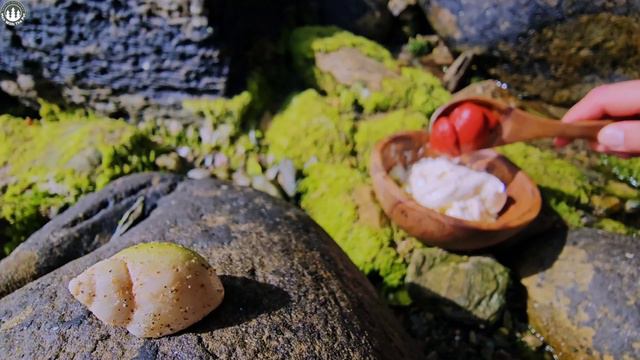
{"x": 519, "y": 125}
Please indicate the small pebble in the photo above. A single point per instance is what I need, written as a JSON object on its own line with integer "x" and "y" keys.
{"x": 287, "y": 177}
{"x": 198, "y": 174}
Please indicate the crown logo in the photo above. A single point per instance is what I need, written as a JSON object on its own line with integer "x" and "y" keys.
{"x": 13, "y": 14}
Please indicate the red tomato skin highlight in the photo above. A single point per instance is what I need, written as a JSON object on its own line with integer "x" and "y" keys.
{"x": 443, "y": 137}
{"x": 471, "y": 125}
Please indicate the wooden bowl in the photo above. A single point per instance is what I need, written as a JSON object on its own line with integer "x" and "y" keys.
{"x": 436, "y": 229}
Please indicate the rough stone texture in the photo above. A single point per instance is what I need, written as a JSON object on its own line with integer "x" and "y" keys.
{"x": 557, "y": 50}
{"x": 82, "y": 229}
{"x": 469, "y": 288}
{"x": 289, "y": 290}
{"x": 118, "y": 57}
{"x": 370, "y": 18}
{"x": 584, "y": 294}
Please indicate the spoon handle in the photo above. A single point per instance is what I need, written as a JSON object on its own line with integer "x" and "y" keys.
{"x": 522, "y": 126}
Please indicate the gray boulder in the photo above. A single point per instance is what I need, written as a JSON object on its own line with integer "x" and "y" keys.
{"x": 290, "y": 292}
{"x": 556, "y": 50}
{"x": 81, "y": 229}
{"x": 583, "y": 290}
{"x": 467, "y": 288}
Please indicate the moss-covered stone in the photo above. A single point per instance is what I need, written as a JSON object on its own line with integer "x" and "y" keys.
{"x": 374, "y": 129}
{"x": 307, "y": 41}
{"x": 46, "y": 165}
{"x": 553, "y": 174}
{"x": 468, "y": 288}
{"x": 309, "y": 128}
{"x": 412, "y": 88}
{"x": 340, "y": 199}
{"x": 625, "y": 169}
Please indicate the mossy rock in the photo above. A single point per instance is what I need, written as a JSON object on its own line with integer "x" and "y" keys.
{"x": 309, "y": 128}
{"x": 467, "y": 288}
{"x": 46, "y": 165}
{"x": 409, "y": 88}
{"x": 340, "y": 199}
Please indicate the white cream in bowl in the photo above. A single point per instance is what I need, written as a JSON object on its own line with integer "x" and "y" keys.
{"x": 443, "y": 185}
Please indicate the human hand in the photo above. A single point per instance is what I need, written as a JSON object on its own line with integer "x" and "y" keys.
{"x": 618, "y": 100}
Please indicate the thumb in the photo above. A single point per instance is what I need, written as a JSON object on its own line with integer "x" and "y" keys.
{"x": 622, "y": 136}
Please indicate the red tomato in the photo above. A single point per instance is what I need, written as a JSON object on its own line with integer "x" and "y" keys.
{"x": 492, "y": 118}
{"x": 443, "y": 137}
{"x": 469, "y": 121}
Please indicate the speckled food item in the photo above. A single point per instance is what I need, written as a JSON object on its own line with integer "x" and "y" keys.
{"x": 289, "y": 290}
{"x": 153, "y": 289}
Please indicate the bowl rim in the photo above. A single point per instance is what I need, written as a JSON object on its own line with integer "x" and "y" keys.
{"x": 378, "y": 170}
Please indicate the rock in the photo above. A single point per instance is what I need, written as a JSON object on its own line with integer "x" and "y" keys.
{"x": 583, "y": 290}
{"x": 147, "y": 54}
{"x": 81, "y": 229}
{"x": 349, "y": 66}
{"x": 467, "y": 288}
{"x": 557, "y": 50}
{"x": 289, "y": 290}
{"x": 198, "y": 174}
{"x": 370, "y": 18}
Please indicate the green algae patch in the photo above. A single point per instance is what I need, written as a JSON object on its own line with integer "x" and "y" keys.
{"x": 414, "y": 89}
{"x": 47, "y": 165}
{"x": 340, "y": 199}
{"x": 557, "y": 177}
{"x": 372, "y": 130}
{"x": 309, "y": 128}
{"x": 305, "y": 42}
{"x": 408, "y": 88}
{"x": 627, "y": 170}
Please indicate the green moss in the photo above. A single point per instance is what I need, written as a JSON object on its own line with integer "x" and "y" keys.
{"x": 309, "y": 127}
{"x": 614, "y": 226}
{"x": 372, "y": 130}
{"x": 49, "y": 164}
{"x": 557, "y": 177}
{"x": 625, "y": 169}
{"x": 572, "y": 216}
{"x": 412, "y": 89}
{"x": 306, "y": 42}
{"x": 328, "y": 197}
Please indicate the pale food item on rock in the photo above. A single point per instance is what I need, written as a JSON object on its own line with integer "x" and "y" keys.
{"x": 153, "y": 289}
{"x": 455, "y": 190}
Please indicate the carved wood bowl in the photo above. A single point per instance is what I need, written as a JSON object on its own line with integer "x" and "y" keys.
{"x": 436, "y": 229}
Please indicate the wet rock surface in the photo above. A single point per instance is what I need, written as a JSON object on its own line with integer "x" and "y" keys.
{"x": 82, "y": 229}
{"x": 118, "y": 57}
{"x": 289, "y": 290}
{"x": 583, "y": 292}
{"x": 556, "y": 50}
{"x": 466, "y": 288}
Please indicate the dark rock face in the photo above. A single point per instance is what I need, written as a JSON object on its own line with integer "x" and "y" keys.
{"x": 117, "y": 57}
{"x": 290, "y": 292}
{"x": 82, "y": 229}
{"x": 556, "y": 50}
{"x": 370, "y": 18}
{"x": 584, "y": 294}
